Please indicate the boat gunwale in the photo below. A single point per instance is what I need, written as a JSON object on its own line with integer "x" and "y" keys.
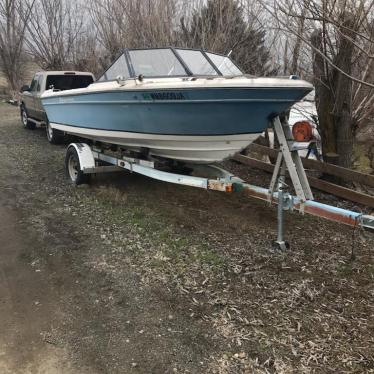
{"x": 145, "y": 102}
{"x": 136, "y": 89}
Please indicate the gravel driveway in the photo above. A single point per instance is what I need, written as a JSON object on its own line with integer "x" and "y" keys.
{"x": 131, "y": 275}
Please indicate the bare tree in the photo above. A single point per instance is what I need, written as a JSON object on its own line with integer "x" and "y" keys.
{"x": 151, "y": 22}
{"x": 85, "y": 54}
{"x": 13, "y": 18}
{"x": 52, "y": 31}
{"x": 109, "y": 21}
{"x": 226, "y": 25}
{"x": 336, "y": 36}
{"x": 133, "y": 24}
{"x": 337, "y": 83}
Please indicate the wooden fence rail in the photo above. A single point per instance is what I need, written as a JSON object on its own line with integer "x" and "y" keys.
{"x": 319, "y": 184}
{"x": 347, "y": 175}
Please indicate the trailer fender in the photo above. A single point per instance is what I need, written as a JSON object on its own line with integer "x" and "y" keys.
{"x": 86, "y": 158}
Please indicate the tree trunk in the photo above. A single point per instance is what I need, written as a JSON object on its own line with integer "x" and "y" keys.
{"x": 343, "y": 94}
{"x": 324, "y": 103}
{"x": 334, "y": 97}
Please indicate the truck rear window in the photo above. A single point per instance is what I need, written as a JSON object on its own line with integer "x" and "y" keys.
{"x": 68, "y": 82}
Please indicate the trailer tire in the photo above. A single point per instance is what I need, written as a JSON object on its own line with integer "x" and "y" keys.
{"x": 73, "y": 168}
{"x": 27, "y": 124}
{"x": 54, "y": 136}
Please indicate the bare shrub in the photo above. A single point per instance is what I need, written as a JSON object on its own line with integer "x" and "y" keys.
{"x": 13, "y": 18}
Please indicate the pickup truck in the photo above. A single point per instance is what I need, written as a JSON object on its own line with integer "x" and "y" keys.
{"x": 31, "y": 108}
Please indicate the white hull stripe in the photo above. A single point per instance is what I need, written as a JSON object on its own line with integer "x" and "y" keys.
{"x": 135, "y": 135}
{"x": 180, "y": 147}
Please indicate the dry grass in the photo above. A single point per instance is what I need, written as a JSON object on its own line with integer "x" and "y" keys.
{"x": 307, "y": 310}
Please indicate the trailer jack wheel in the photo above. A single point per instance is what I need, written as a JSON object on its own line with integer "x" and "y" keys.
{"x": 73, "y": 168}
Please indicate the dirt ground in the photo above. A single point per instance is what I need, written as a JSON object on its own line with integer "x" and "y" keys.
{"x": 131, "y": 275}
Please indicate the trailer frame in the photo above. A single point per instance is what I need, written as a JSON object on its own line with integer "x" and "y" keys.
{"x": 82, "y": 161}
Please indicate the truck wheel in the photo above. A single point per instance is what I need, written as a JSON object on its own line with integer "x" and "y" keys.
{"x": 25, "y": 119}
{"x": 54, "y": 136}
{"x": 73, "y": 168}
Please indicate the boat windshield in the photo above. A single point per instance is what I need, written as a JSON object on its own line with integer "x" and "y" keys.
{"x": 169, "y": 62}
{"x": 196, "y": 62}
{"x": 224, "y": 64}
{"x": 156, "y": 62}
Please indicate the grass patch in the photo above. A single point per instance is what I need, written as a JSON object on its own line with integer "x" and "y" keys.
{"x": 209, "y": 257}
{"x": 160, "y": 241}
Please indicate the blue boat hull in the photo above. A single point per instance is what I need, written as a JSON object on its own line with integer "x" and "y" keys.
{"x": 200, "y": 121}
{"x": 191, "y": 112}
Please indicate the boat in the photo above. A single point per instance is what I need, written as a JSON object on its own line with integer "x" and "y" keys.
{"x": 187, "y": 105}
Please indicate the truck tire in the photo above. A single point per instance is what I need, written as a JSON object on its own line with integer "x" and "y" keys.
{"x": 27, "y": 124}
{"x": 54, "y": 136}
{"x": 73, "y": 168}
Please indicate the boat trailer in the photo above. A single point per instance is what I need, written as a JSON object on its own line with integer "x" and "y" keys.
{"x": 82, "y": 161}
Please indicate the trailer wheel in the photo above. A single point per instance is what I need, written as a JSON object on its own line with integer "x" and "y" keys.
{"x": 25, "y": 119}
{"x": 54, "y": 136}
{"x": 73, "y": 168}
